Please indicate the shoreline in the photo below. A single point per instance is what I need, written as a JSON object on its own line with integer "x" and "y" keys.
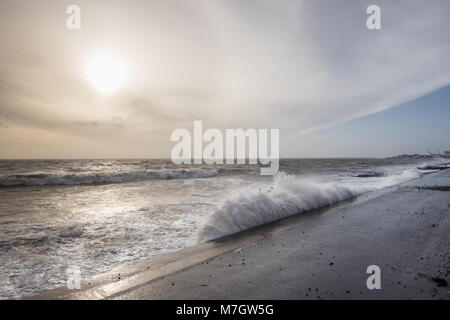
{"x": 180, "y": 275}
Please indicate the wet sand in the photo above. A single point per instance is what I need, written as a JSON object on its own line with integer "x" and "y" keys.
{"x": 324, "y": 254}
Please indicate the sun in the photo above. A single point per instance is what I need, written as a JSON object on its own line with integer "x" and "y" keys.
{"x": 106, "y": 74}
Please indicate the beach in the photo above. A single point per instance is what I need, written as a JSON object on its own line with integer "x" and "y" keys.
{"x": 322, "y": 254}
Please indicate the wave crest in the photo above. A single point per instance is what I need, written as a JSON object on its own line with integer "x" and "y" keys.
{"x": 289, "y": 195}
{"x": 44, "y": 179}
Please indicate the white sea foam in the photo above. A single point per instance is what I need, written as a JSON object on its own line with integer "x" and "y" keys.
{"x": 406, "y": 175}
{"x": 43, "y": 179}
{"x": 288, "y": 195}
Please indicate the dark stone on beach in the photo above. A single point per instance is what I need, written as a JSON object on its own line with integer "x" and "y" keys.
{"x": 370, "y": 175}
{"x": 431, "y": 167}
{"x": 439, "y": 281}
{"x": 436, "y": 188}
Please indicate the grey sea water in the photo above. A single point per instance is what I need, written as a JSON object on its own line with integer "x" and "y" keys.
{"x": 100, "y": 214}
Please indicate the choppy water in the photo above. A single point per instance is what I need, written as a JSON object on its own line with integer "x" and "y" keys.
{"x": 99, "y": 214}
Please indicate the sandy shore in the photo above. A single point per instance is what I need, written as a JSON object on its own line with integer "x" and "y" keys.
{"x": 324, "y": 254}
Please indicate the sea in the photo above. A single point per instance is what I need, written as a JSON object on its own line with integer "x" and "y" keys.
{"x": 95, "y": 215}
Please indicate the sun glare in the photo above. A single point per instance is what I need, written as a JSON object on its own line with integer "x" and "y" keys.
{"x": 105, "y": 74}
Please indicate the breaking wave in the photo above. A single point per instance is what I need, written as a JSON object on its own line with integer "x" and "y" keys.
{"x": 287, "y": 196}
{"x": 45, "y": 179}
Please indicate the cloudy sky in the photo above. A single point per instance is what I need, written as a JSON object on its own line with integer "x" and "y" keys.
{"x": 309, "y": 68}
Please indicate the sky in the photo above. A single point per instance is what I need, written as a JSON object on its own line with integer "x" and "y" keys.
{"x": 416, "y": 126}
{"x": 309, "y": 68}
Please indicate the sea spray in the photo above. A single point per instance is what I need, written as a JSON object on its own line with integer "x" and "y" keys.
{"x": 289, "y": 195}
{"x": 405, "y": 175}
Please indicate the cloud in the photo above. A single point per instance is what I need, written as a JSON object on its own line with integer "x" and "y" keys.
{"x": 306, "y": 71}
{"x": 299, "y": 66}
